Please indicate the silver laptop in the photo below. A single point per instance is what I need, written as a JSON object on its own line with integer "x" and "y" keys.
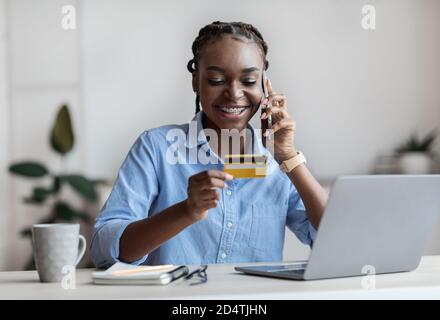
{"x": 372, "y": 224}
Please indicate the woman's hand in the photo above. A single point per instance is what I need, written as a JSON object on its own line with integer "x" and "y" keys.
{"x": 202, "y": 193}
{"x": 283, "y": 126}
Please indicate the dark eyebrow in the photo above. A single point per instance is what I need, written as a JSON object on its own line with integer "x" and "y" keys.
{"x": 245, "y": 70}
{"x": 214, "y": 68}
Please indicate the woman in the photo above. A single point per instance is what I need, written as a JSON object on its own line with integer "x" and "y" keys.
{"x": 165, "y": 212}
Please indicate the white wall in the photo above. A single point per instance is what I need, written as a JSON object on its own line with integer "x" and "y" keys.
{"x": 353, "y": 93}
{"x": 43, "y": 61}
{"x": 4, "y": 141}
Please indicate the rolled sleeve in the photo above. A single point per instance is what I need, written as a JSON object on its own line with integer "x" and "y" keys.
{"x": 106, "y": 240}
{"x": 135, "y": 188}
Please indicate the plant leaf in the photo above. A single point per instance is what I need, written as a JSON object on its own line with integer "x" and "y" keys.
{"x": 56, "y": 184}
{"x": 416, "y": 144}
{"x": 40, "y": 192}
{"x": 66, "y": 213}
{"x": 98, "y": 181}
{"x": 429, "y": 140}
{"x": 84, "y": 217}
{"x": 62, "y": 137}
{"x": 39, "y": 195}
{"x": 63, "y": 212}
{"x": 29, "y": 169}
{"x": 82, "y": 185}
{"x": 26, "y": 232}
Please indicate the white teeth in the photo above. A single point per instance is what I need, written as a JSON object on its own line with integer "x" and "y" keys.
{"x": 232, "y": 110}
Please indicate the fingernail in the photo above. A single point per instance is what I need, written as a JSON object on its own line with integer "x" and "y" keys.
{"x": 229, "y": 177}
{"x": 263, "y": 115}
{"x": 266, "y": 133}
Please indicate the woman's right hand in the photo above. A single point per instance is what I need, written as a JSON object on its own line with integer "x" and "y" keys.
{"x": 202, "y": 193}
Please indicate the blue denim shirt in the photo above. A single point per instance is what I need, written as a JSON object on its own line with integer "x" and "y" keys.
{"x": 247, "y": 225}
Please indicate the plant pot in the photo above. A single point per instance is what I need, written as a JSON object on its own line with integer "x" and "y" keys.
{"x": 415, "y": 163}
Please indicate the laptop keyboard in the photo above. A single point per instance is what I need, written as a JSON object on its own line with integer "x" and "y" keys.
{"x": 292, "y": 271}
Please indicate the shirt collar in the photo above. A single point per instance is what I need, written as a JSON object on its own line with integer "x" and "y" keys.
{"x": 195, "y": 136}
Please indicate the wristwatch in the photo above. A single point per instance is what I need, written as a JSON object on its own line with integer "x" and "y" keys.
{"x": 288, "y": 165}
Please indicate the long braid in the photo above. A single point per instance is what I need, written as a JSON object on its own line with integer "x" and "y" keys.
{"x": 214, "y": 31}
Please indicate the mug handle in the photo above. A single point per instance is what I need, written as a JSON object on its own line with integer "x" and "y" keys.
{"x": 81, "y": 248}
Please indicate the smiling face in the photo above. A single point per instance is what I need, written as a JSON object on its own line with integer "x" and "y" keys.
{"x": 228, "y": 81}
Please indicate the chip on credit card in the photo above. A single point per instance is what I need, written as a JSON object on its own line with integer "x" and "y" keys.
{"x": 245, "y": 165}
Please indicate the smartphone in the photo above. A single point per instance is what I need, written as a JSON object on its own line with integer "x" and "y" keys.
{"x": 265, "y": 95}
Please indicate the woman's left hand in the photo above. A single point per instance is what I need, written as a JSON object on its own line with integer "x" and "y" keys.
{"x": 283, "y": 126}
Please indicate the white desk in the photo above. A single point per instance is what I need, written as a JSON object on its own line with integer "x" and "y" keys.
{"x": 225, "y": 283}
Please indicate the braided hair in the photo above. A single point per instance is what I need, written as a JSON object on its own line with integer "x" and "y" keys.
{"x": 214, "y": 31}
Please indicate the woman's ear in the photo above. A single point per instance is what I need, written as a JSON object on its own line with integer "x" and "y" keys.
{"x": 195, "y": 81}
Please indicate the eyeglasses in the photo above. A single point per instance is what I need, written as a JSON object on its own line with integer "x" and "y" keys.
{"x": 198, "y": 276}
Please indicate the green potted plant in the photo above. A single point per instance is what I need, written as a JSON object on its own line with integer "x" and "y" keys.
{"x": 416, "y": 154}
{"x": 62, "y": 141}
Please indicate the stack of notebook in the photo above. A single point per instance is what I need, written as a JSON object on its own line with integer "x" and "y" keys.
{"x": 122, "y": 273}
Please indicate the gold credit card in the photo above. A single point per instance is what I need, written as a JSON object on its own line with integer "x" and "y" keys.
{"x": 245, "y": 165}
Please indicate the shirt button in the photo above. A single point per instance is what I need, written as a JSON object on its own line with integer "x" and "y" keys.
{"x": 229, "y": 224}
{"x": 223, "y": 255}
{"x": 229, "y": 192}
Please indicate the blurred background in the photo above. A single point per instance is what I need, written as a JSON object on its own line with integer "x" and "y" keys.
{"x": 365, "y": 101}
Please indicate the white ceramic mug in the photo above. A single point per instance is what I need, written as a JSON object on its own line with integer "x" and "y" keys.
{"x": 56, "y": 246}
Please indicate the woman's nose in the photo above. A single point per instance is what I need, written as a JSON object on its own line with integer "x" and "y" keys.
{"x": 234, "y": 91}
